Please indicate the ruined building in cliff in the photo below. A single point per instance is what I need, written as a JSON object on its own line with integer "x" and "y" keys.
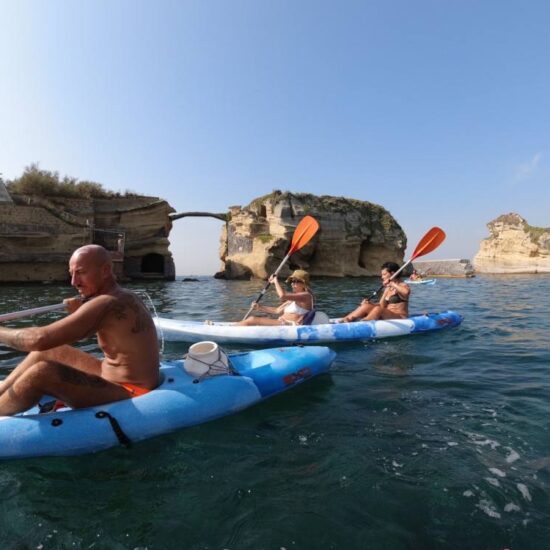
{"x": 39, "y": 233}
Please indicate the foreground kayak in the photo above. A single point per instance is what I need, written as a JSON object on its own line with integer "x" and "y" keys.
{"x": 179, "y": 402}
{"x": 173, "y": 330}
{"x": 421, "y": 282}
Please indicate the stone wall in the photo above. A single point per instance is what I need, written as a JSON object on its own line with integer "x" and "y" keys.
{"x": 38, "y": 236}
{"x": 444, "y": 268}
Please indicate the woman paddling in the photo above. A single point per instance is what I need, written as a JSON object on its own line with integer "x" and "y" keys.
{"x": 394, "y": 303}
{"x": 295, "y": 306}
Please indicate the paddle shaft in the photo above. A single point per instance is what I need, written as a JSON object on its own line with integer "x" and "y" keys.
{"x": 391, "y": 278}
{"x": 303, "y": 233}
{"x": 264, "y": 289}
{"x": 28, "y": 312}
{"x": 429, "y": 242}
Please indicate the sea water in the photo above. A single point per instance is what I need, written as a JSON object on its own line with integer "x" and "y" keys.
{"x": 436, "y": 440}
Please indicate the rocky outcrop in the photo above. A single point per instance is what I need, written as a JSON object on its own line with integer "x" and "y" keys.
{"x": 514, "y": 247}
{"x": 354, "y": 239}
{"x": 444, "y": 268}
{"x": 38, "y": 235}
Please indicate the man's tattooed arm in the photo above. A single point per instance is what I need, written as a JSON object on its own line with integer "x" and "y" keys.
{"x": 22, "y": 339}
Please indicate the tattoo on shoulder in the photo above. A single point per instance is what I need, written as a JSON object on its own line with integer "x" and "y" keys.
{"x": 141, "y": 316}
{"x": 131, "y": 306}
{"x": 118, "y": 310}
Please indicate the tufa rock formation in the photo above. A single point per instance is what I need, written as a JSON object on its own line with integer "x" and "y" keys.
{"x": 39, "y": 234}
{"x": 444, "y": 268}
{"x": 514, "y": 247}
{"x": 354, "y": 239}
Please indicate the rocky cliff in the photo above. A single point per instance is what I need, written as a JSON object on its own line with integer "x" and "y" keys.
{"x": 514, "y": 247}
{"x": 38, "y": 235}
{"x": 444, "y": 268}
{"x": 354, "y": 239}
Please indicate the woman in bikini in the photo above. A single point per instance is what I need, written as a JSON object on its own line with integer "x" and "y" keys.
{"x": 295, "y": 306}
{"x": 394, "y": 303}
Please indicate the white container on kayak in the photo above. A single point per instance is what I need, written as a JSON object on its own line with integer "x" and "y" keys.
{"x": 206, "y": 359}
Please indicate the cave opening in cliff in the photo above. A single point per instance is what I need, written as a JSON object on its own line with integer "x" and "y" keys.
{"x": 363, "y": 253}
{"x": 152, "y": 263}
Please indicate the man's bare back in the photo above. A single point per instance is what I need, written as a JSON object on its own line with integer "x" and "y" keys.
{"x": 125, "y": 331}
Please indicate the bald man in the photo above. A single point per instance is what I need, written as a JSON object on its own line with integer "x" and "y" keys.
{"x": 125, "y": 333}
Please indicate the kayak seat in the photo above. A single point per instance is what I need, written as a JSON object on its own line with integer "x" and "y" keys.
{"x": 50, "y": 406}
{"x": 321, "y": 318}
{"x": 314, "y": 317}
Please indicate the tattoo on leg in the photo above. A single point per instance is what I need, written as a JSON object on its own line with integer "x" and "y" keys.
{"x": 79, "y": 378}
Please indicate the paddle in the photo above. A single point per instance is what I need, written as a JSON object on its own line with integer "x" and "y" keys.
{"x": 27, "y": 312}
{"x": 428, "y": 243}
{"x": 303, "y": 233}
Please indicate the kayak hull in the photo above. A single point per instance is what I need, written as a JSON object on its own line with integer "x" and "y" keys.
{"x": 178, "y": 402}
{"x": 173, "y": 330}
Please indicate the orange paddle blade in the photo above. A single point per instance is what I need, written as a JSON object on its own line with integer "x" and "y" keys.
{"x": 430, "y": 241}
{"x": 303, "y": 233}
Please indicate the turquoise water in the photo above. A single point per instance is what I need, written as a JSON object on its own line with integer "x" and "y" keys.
{"x": 429, "y": 441}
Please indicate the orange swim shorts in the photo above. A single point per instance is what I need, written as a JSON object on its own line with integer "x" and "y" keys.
{"x": 135, "y": 391}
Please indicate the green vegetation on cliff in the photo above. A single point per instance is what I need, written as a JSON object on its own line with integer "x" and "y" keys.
{"x": 326, "y": 203}
{"x": 513, "y": 219}
{"x": 44, "y": 183}
{"x": 535, "y": 233}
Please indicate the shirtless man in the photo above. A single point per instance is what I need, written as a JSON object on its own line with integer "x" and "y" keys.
{"x": 125, "y": 333}
{"x": 394, "y": 303}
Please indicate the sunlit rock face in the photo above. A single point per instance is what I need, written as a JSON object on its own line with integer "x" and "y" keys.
{"x": 514, "y": 247}
{"x": 354, "y": 239}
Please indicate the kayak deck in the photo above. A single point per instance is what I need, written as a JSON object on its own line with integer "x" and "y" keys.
{"x": 173, "y": 330}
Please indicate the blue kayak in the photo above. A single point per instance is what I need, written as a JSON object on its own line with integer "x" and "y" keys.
{"x": 420, "y": 281}
{"x": 175, "y": 330}
{"x": 179, "y": 401}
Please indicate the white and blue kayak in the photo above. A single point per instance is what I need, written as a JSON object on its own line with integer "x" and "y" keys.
{"x": 180, "y": 401}
{"x": 174, "y": 330}
{"x": 420, "y": 281}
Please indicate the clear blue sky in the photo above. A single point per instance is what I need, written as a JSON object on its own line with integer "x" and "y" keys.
{"x": 437, "y": 110}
